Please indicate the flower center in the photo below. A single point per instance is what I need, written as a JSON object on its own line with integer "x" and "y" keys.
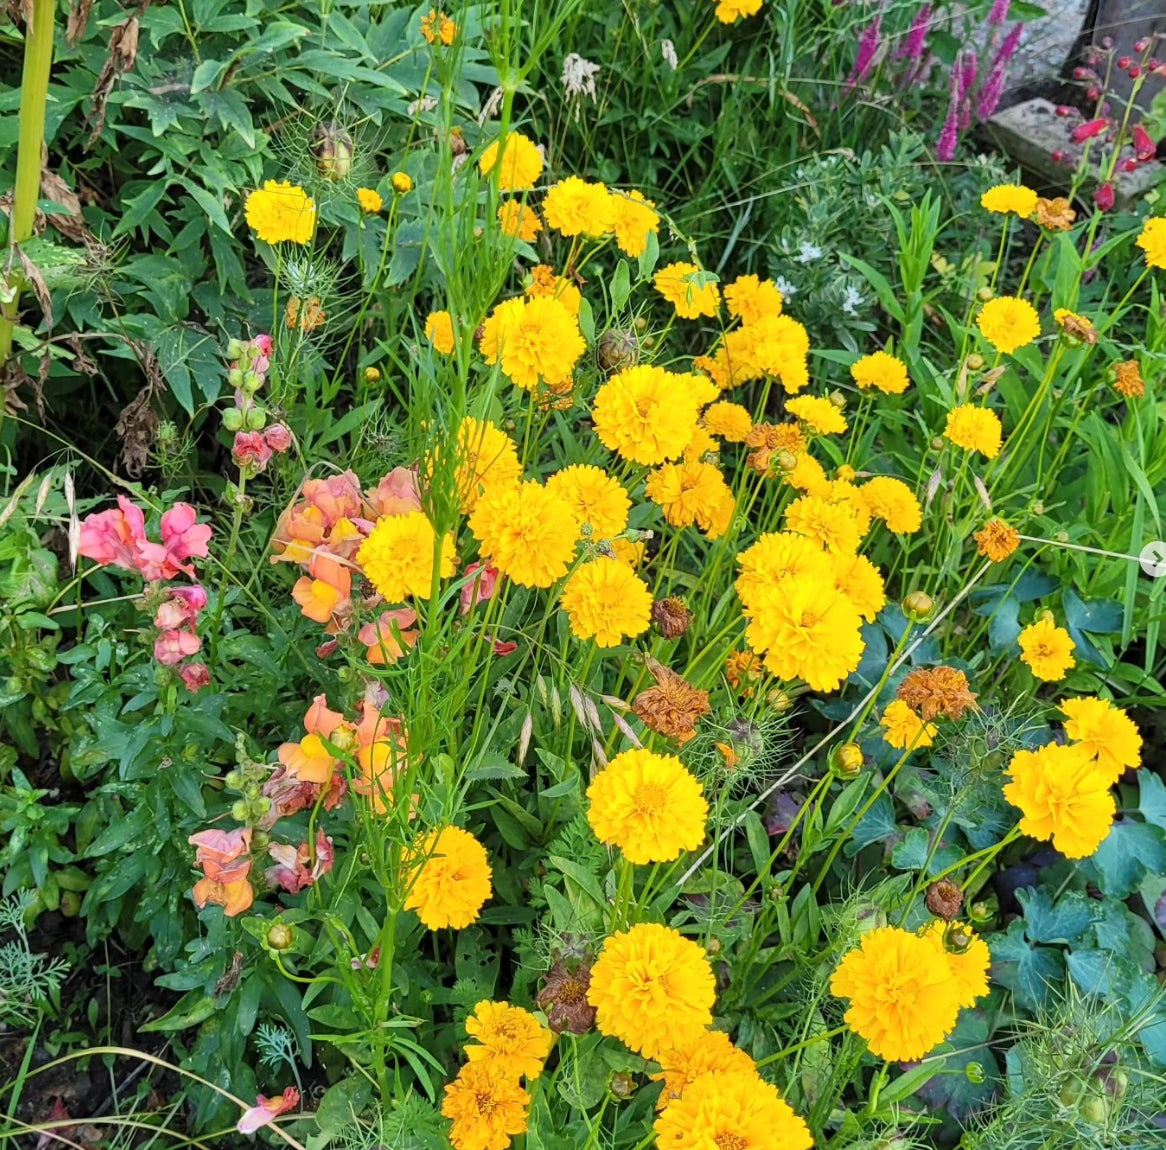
{"x": 728, "y": 1140}
{"x": 485, "y": 1103}
{"x": 649, "y": 798}
{"x": 572, "y": 992}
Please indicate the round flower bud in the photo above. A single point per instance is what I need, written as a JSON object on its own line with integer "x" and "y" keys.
{"x": 936, "y": 443}
{"x": 786, "y": 460}
{"x": 252, "y": 382}
{"x": 714, "y": 946}
{"x": 778, "y": 700}
{"x": 1117, "y": 1082}
{"x": 846, "y": 760}
{"x": 331, "y": 148}
{"x": 918, "y": 606}
{"x": 982, "y": 911}
{"x": 279, "y": 936}
{"x": 256, "y": 419}
{"x": 343, "y": 739}
{"x": 233, "y": 780}
{"x": 1094, "y": 1110}
{"x": 837, "y": 399}
{"x": 234, "y": 348}
{"x": 372, "y": 375}
{"x": 233, "y": 419}
{"x": 975, "y": 361}
{"x": 401, "y": 182}
{"x": 984, "y": 294}
{"x": 235, "y": 377}
{"x": 957, "y": 939}
{"x": 621, "y": 1085}
{"x": 239, "y": 811}
{"x": 617, "y": 350}
{"x": 974, "y": 1072}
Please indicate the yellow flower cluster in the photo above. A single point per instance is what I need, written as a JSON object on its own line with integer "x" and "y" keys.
{"x": 486, "y": 1103}
{"x": 535, "y": 340}
{"x": 448, "y": 878}
{"x": 906, "y": 990}
{"x": 281, "y": 213}
{"x": 1063, "y": 789}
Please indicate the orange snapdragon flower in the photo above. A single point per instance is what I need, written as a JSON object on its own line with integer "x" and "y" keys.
{"x": 224, "y": 857}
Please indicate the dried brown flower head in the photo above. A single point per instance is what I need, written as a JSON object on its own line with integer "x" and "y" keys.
{"x": 996, "y": 540}
{"x": 672, "y": 707}
{"x": 932, "y": 691}
{"x": 743, "y": 670}
{"x": 944, "y": 899}
{"x": 671, "y": 616}
{"x": 1127, "y": 379}
{"x": 563, "y": 998}
{"x": 1057, "y": 215}
{"x": 766, "y": 439}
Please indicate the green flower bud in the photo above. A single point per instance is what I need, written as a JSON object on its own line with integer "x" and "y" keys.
{"x": 233, "y": 419}
{"x": 279, "y": 936}
{"x": 256, "y": 419}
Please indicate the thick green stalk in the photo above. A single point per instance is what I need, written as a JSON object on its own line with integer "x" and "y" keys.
{"x": 34, "y": 92}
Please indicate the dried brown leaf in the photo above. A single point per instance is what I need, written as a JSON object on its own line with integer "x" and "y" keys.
{"x": 78, "y": 20}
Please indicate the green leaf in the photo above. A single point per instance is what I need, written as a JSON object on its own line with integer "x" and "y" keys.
{"x": 1129, "y": 851}
{"x": 194, "y": 1007}
{"x": 1064, "y": 922}
{"x": 205, "y": 75}
{"x": 621, "y": 286}
{"x": 1030, "y": 972}
{"x": 136, "y": 208}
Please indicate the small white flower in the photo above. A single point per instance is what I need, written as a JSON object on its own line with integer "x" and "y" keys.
{"x": 579, "y": 76}
{"x": 851, "y": 298}
{"x": 785, "y": 287}
{"x": 668, "y": 51}
{"x": 808, "y": 253}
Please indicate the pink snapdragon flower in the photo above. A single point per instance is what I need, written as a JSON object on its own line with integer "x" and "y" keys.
{"x": 195, "y": 676}
{"x": 481, "y": 587}
{"x": 114, "y": 538}
{"x": 171, "y": 647}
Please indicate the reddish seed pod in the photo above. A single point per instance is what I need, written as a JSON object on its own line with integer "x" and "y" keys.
{"x": 1104, "y": 197}
{"x": 1124, "y": 62}
{"x": 1153, "y": 63}
{"x": 1058, "y": 156}
{"x": 1128, "y": 165}
{"x": 1135, "y": 71}
{"x": 1142, "y": 44}
{"x": 1081, "y": 73}
{"x": 1094, "y": 93}
{"x": 1144, "y": 146}
{"x": 1064, "y": 110}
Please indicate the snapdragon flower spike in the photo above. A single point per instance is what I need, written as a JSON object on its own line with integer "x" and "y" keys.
{"x": 949, "y": 134}
{"x": 993, "y": 87}
{"x": 999, "y": 12}
{"x": 118, "y": 539}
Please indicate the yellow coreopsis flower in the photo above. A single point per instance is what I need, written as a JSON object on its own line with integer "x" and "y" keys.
{"x": 774, "y": 556}
{"x": 519, "y": 221}
{"x": 1152, "y": 240}
{"x": 1046, "y": 649}
{"x": 397, "y": 556}
{"x": 677, "y": 283}
{"x": 575, "y": 207}
{"x": 648, "y": 805}
{"x": 1014, "y": 198}
{"x": 1064, "y": 796}
{"x": 691, "y": 492}
{"x": 652, "y": 988}
{"x": 508, "y": 1038}
{"x": 729, "y": 11}
{"x": 449, "y": 878}
{"x": 606, "y": 601}
{"x": 728, "y": 421}
{"x": 749, "y": 298}
{"x": 370, "y": 201}
{"x": 904, "y": 729}
{"x": 892, "y": 501}
{"x": 535, "y": 340}
{"x": 712, "y": 1053}
{"x": 818, "y": 414}
{"x": 996, "y": 540}
{"x": 741, "y": 1111}
{"x": 646, "y": 414}
{"x": 487, "y": 1107}
{"x": 486, "y": 457}
{"x": 521, "y": 164}
{"x": 903, "y": 998}
{"x": 1008, "y": 323}
{"x": 975, "y": 429}
{"x": 881, "y": 371}
{"x": 597, "y": 498}
{"x": 1106, "y": 732}
{"x": 281, "y": 213}
{"x": 633, "y": 219}
{"x": 806, "y": 630}
{"x": 439, "y": 332}
{"x": 526, "y": 531}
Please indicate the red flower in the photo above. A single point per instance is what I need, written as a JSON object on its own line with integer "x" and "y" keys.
{"x": 1088, "y": 130}
{"x": 195, "y": 676}
{"x": 1144, "y": 147}
{"x": 1103, "y": 197}
{"x": 278, "y": 438}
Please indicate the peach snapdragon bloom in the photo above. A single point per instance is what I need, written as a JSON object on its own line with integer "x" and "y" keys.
{"x": 225, "y": 860}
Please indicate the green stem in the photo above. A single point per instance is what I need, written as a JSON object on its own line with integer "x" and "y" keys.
{"x": 34, "y": 93}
